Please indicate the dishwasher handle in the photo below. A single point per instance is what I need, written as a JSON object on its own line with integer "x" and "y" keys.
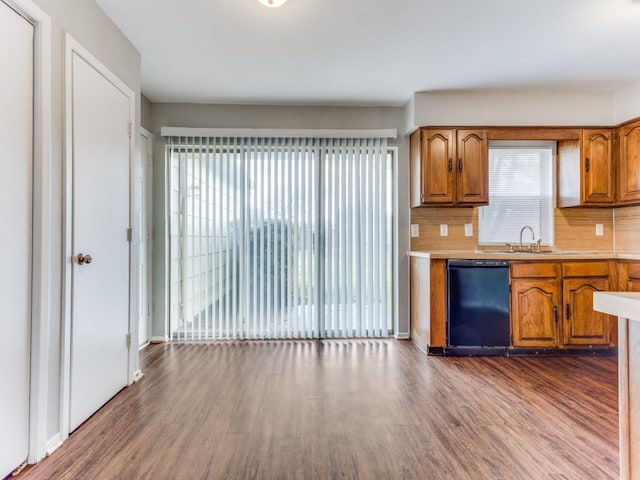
{"x": 468, "y": 263}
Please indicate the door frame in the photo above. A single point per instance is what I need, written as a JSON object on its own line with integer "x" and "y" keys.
{"x": 41, "y": 226}
{"x": 72, "y": 47}
{"x": 146, "y": 166}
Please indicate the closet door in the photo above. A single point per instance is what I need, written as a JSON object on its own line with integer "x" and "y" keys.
{"x": 16, "y": 191}
{"x": 100, "y": 276}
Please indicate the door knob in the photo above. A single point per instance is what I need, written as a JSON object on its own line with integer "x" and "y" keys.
{"x": 84, "y": 259}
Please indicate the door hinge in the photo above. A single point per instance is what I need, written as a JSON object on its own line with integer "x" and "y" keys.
{"x": 128, "y": 340}
{"x": 130, "y": 129}
{"x": 129, "y": 234}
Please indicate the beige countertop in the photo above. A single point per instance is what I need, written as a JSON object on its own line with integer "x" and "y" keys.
{"x": 556, "y": 255}
{"x": 620, "y": 304}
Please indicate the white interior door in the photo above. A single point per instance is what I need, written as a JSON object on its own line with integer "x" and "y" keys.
{"x": 99, "y": 289}
{"x": 16, "y": 191}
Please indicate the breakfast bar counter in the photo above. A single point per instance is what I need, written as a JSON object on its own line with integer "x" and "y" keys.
{"x": 626, "y": 305}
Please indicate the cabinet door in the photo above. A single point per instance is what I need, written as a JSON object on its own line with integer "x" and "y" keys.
{"x": 437, "y": 166}
{"x": 597, "y": 167}
{"x": 583, "y": 325}
{"x": 472, "y": 167}
{"x": 534, "y": 312}
{"x": 633, "y": 285}
{"x": 629, "y": 166}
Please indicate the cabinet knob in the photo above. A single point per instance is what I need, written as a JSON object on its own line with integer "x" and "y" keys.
{"x": 568, "y": 311}
{"x": 587, "y": 165}
{"x": 555, "y": 313}
{"x": 459, "y": 165}
{"x": 450, "y": 165}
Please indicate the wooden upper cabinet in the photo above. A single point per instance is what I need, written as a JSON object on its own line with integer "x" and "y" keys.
{"x": 598, "y": 185}
{"x": 449, "y": 167}
{"x": 586, "y": 170}
{"x": 472, "y": 167}
{"x": 437, "y": 166}
{"x": 629, "y": 164}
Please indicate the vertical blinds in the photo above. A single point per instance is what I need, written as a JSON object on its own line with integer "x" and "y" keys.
{"x": 520, "y": 193}
{"x": 279, "y": 237}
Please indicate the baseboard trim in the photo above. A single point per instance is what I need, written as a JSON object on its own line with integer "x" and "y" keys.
{"x": 54, "y": 443}
{"x": 403, "y": 336}
{"x": 137, "y": 375}
{"x": 158, "y": 340}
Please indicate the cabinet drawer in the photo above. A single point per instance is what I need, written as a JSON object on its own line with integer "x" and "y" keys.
{"x": 535, "y": 270}
{"x": 585, "y": 269}
{"x": 633, "y": 270}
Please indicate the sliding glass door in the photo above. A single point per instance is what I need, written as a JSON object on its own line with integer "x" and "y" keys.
{"x": 279, "y": 238}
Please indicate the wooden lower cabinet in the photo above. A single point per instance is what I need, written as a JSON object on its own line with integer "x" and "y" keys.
{"x": 629, "y": 275}
{"x": 581, "y": 324}
{"x": 552, "y": 305}
{"x": 534, "y": 312}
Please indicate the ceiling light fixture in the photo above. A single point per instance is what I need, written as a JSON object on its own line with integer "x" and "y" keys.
{"x": 272, "y": 3}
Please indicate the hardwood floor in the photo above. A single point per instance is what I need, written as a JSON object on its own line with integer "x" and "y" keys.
{"x": 361, "y": 409}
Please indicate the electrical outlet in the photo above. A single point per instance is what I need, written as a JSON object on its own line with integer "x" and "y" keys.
{"x": 468, "y": 229}
{"x": 444, "y": 230}
{"x": 599, "y": 229}
{"x": 415, "y": 230}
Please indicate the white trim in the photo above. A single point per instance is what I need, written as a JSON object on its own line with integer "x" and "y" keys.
{"x": 147, "y": 202}
{"x": 395, "y": 241}
{"x": 54, "y": 443}
{"x": 42, "y": 233}
{"x": 72, "y": 47}
{"x": 276, "y": 133}
{"x": 402, "y": 336}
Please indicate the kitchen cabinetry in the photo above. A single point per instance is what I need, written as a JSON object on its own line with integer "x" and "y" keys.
{"x": 581, "y": 324}
{"x": 449, "y": 167}
{"x": 552, "y": 304}
{"x": 535, "y": 300}
{"x": 586, "y": 170}
{"x": 629, "y": 275}
{"x": 629, "y": 164}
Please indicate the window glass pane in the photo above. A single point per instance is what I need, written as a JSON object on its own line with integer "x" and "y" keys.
{"x": 520, "y": 193}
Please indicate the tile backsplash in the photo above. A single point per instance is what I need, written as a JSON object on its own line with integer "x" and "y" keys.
{"x": 574, "y": 228}
{"x": 627, "y": 222}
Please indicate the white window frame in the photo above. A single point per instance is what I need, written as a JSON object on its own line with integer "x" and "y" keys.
{"x": 529, "y": 144}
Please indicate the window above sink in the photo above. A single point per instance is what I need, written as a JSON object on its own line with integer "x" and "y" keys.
{"x": 521, "y": 192}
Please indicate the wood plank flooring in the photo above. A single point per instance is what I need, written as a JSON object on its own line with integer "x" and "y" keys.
{"x": 360, "y": 409}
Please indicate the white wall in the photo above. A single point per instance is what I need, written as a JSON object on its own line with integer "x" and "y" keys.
{"x": 627, "y": 102}
{"x": 488, "y": 108}
{"x": 244, "y": 116}
{"x": 88, "y": 24}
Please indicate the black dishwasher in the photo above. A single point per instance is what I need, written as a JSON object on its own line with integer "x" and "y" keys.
{"x": 478, "y": 303}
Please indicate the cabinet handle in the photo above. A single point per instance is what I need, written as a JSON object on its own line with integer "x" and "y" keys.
{"x": 450, "y": 165}
{"x": 587, "y": 164}
{"x": 459, "y": 165}
{"x": 555, "y": 313}
{"x": 568, "y": 311}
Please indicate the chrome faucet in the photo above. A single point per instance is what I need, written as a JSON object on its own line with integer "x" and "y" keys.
{"x": 533, "y": 235}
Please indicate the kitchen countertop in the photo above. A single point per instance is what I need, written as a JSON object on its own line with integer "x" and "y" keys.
{"x": 620, "y": 304}
{"x": 550, "y": 256}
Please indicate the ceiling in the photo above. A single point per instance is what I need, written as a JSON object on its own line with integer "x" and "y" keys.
{"x": 375, "y": 52}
